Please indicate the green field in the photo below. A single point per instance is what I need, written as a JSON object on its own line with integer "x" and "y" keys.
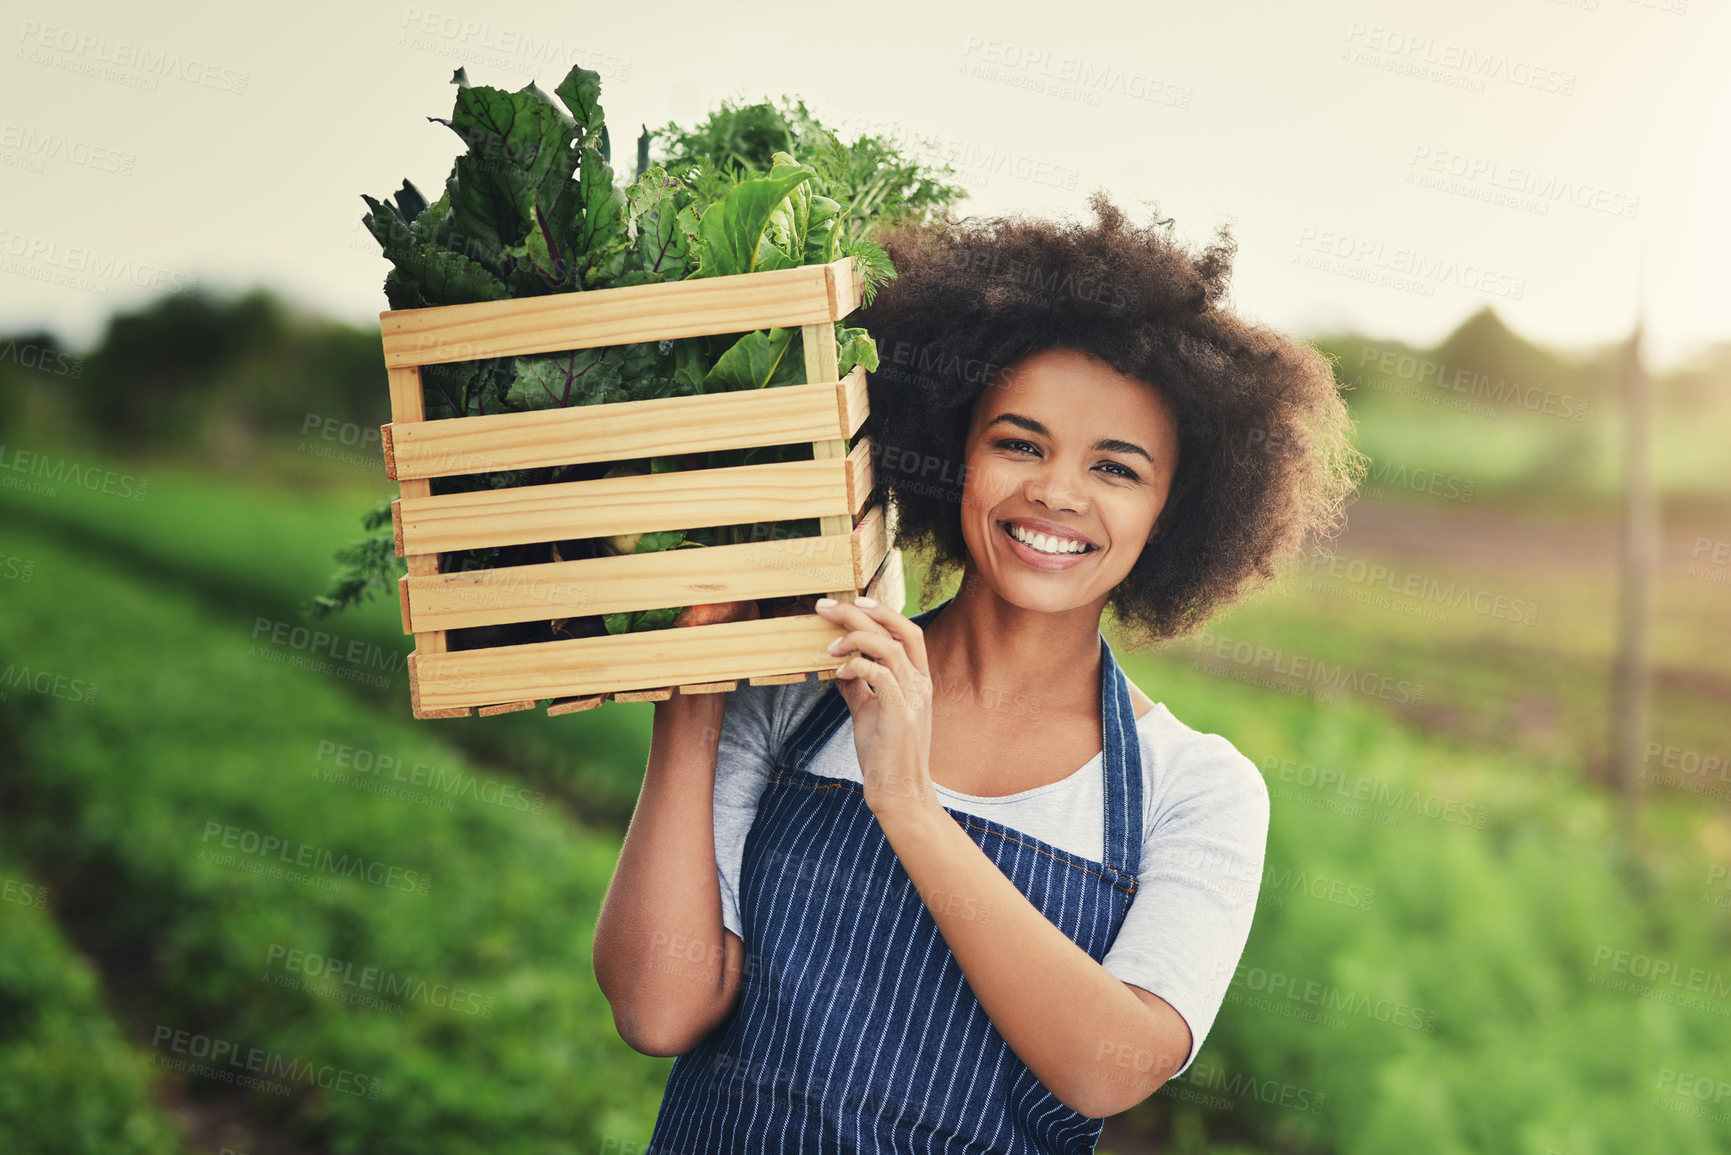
{"x": 1445, "y": 957}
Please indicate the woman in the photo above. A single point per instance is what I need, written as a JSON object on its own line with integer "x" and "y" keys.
{"x": 898, "y": 916}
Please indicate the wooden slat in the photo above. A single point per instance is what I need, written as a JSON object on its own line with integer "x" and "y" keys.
{"x": 782, "y": 567}
{"x": 627, "y": 429}
{"x": 887, "y": 585}
{"x": 778, "y": 679}
{"x": 710, "y": 688}
{"x": 575, "y": 705}
{"x": 508, "y": 707}
{"x": 586, "y": 320}
{"x": 607, "y": 506}
{"x": 659, "y": 694}
{"x": 652, "y": 659}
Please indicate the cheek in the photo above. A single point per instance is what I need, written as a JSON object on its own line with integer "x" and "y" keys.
{"x": 986, "y": 482}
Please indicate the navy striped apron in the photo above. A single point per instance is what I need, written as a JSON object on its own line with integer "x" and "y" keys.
{"x": 856, "y": 1029}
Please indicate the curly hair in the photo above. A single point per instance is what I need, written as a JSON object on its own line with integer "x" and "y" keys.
{"x": 1265, "y": 458}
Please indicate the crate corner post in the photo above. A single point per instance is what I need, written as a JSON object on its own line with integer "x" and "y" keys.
{"x": 408, "y": 404}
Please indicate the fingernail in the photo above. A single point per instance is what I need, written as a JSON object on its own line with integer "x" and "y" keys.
{"x": 834, "y": 647}
{"x": 862, "y": 600}
{"x": 823, "y": 602}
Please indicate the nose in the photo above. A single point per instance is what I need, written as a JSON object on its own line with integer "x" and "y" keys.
{"x": 1052, "y": 486}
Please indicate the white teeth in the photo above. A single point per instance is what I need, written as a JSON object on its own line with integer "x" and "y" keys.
{"x": 1045, "y": 543}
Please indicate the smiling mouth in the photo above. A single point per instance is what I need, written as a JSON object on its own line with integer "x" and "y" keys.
{"x": 1086, "y": 548}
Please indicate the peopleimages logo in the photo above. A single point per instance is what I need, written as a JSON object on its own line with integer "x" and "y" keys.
{"x": 306, "y": 857}
{"x": 231, "y": 1062}
{"x": 350, "y": 982}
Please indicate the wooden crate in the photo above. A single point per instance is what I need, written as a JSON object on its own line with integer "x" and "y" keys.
{"x": 851, "y": 556}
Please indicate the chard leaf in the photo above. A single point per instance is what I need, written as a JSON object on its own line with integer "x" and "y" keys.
{"x": 424, "y": 273}
{"x": 557, "y": 380}
{"x": 663, "y": 229}
{"x": 448, "y": 278}
{"x": 402, "y": 293}
{"x": 690, "y": 364}
{"x": 516, "y": 174}
{"x": 581, "y": 93}
{"x": 758, "y": 360}
{"x": 601, "y": 240}
{"x": 735, "y": 230}
{"x": 410, "y": 203}
{"x": 425, "y": 227}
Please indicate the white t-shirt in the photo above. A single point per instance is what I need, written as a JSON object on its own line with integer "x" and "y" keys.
{"x": 1205, "y": 827}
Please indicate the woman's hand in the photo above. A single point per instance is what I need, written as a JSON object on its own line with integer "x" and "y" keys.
{"x": 888, "y": 688}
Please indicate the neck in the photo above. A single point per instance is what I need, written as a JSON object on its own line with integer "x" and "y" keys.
{"x": 995, "y": 648}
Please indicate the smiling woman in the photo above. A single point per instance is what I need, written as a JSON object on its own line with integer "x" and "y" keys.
{"x": 887, "y": 914}
{"x": 1264, "y": 460}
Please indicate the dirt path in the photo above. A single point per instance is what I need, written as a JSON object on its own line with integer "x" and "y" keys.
{"x": 1510, "y": 540}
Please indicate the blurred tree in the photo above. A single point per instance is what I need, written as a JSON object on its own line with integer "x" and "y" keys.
{"x": 169, "y": 373}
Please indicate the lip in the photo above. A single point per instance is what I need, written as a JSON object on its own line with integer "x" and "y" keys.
{"x": 1045, "y": 561}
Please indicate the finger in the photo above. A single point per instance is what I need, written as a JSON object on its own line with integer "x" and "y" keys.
{"x": 911, "y": 636}
{"x": 866, "y": 675}
{"x": 911, "y": 692}
{"x": 886, "y": 649}
{"x": 851, "y": 617}
{"x": 852, "y": 691}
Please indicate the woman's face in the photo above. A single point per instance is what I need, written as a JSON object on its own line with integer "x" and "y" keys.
{"x": 1064, "y": 444}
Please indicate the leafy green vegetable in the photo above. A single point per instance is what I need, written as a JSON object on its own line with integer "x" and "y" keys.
{"x": 756, "y": 360}
{"x": 531, "y": 207}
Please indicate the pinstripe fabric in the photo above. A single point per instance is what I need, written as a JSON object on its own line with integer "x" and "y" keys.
{"x": 856, "y": 1029}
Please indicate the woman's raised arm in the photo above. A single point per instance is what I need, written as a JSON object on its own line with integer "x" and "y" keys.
{"x": 668, "y": 969}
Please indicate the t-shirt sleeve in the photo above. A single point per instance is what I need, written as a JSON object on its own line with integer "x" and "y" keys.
{"x": 750, "y": 735}
{"x": 1200, "y": 875}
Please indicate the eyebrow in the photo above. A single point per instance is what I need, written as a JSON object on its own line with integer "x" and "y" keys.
{"x": 1110, "y": 444}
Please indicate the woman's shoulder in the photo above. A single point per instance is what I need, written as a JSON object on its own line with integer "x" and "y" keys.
{"x": 772, "y": 711}
{"x": 1182, "y": 763}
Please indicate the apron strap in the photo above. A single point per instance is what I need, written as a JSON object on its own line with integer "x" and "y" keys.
{"x": 1123, "y": 766}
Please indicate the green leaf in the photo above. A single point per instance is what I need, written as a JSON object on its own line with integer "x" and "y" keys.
{"x": 656, "y": 542}
{"x": 556, "y": 380}
{"x": 514, "y": 180}
{"x": 663, "y": 227}
{"x": 789, "y": 221}
{"x": 601, "y": 240}
{"x": 449, "y": 278}
{"x": 690, "y": 364}
{"x": 581, "y": 93}
{"x": 628, "y": 622}
{"x": 758, "y": 360}
{"x": 735, "y": 230}
{"x": 823, "y": 229}
{"x": 854, "y": 347}
{"x": 871, "y": 263}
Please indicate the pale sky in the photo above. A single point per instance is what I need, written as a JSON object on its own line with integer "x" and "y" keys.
{"x": 1390, "y": 166}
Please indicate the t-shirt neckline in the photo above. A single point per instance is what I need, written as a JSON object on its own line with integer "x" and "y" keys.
{"x": 1067, "y": 780}
{"x": 1032, "y": 792}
